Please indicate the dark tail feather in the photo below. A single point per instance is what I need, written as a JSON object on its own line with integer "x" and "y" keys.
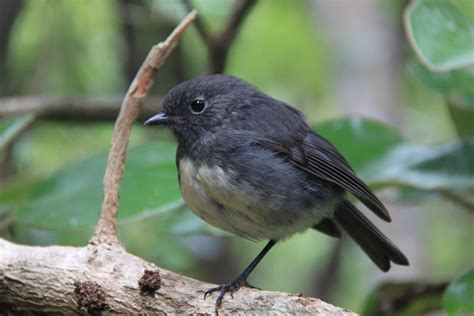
{"x": 377, "y": 246}
{"x": 329, "y": 228}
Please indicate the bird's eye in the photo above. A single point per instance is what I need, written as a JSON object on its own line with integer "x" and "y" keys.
{"x": 197, "y": 106}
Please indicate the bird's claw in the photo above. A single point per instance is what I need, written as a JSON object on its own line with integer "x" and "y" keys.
{"x": 230, "y": 288}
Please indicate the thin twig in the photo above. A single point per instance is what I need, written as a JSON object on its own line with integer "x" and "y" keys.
{"x": 15, "y": 130}
{"x": 106, "y": 228}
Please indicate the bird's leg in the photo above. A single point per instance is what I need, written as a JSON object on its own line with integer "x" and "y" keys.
{"x": 235, "y": 285}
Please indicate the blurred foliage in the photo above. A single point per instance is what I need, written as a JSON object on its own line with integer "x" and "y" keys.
{"x": 47, "y": 61}
{"x": 71, "y": 198}
{"x": 78, "y": 48}
{"x": 441, "y": 34}
{"x": 404, "y": 299}
{"x": 459, "y": 295}
{"x": 305, "y": 48}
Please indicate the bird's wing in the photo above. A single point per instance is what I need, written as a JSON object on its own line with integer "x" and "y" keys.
{"x": 315, "y": 155}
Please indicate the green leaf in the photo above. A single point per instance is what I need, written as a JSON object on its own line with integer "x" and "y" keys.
{"x": 441, "y": 36}
{"x": 457, "y": 86}
{"x": 72, "y": 197}
{"x": 466, "y": 7}
{"x": 447, "y": 167}
{"x": 381, "y": 157}
{"x": 459, "y": 297}
{"x": 360, "y": 141}
{"x": 463, "y": 119}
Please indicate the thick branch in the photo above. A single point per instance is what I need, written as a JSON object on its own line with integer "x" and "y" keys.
{"x": 106, "y": 228}
{"x": 74, "y": 109}
{"x": 52, "y": 279}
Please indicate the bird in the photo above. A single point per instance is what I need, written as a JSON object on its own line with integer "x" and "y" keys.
{"x": 251, "y": 165}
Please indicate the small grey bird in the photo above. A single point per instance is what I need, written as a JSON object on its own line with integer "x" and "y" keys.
{"x": 251, "y": 165}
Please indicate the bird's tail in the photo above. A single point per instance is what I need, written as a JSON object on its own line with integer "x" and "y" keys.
{"x": 375, "y": 244}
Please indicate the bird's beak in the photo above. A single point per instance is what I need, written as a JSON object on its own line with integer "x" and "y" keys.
{"x": 159, "y": 119}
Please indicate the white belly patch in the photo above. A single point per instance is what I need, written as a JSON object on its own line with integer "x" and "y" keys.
{"x": 210, "y": 193}
{"x": 215, "y": 197}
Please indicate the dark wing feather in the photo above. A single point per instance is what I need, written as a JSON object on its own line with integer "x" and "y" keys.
{"x": 317, "y": 156}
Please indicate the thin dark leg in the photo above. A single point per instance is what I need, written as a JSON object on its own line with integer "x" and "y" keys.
{"x": 257, "y": 260}
{"x": 242, "y": 278}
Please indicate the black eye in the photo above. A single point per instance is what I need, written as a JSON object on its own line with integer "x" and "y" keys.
{"x": 197, "y": 106}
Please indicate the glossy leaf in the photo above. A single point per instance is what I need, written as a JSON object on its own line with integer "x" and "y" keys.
{"x": 441, "y": 36}
{"x": 446, "y": 167}
{"x": 459, "y": 297}
{"x": 457, "y": 86}
{"x": 72, "y": 197}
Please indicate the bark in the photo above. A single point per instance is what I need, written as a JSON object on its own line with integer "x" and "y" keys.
{"x": 106, "y": 278}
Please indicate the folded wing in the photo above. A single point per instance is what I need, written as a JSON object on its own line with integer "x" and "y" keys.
{"x": 317, "y": 156}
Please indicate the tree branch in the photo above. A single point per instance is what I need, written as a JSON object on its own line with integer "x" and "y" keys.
{"x": 458, "y": 199}
{"x": 73, "y": 109}
{"x": 66, "y": 279}
{"x": 106, "y": 228}
{"x": 218, "y": 45}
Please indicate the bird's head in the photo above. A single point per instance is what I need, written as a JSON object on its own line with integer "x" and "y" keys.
{"x": 203, "y": 104}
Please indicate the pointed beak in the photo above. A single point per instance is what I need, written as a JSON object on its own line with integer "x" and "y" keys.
{"x": 159, "y": 119}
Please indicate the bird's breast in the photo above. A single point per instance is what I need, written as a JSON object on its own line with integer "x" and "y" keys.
{"x": 212, "y": 193}
{"x": 197, "y": 181}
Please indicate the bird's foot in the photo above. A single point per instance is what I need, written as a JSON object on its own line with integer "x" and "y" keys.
{"x": 230, "y": 288}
